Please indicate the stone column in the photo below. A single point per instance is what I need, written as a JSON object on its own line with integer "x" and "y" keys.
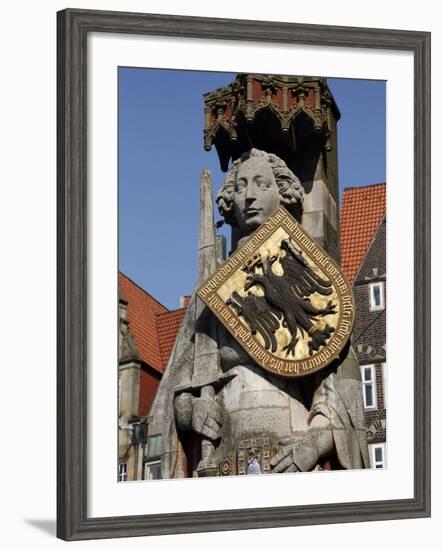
{"x": 321, "y": 205}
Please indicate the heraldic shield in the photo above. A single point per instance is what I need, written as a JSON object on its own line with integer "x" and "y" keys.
{"x": 284, "y": 300}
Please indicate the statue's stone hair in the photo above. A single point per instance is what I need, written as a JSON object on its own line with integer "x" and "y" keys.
{"x": 290, "y": 188}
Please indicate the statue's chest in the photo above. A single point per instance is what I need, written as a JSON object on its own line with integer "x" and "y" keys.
{"x": 253, "y": 404}
{"x": 258, "y": 413}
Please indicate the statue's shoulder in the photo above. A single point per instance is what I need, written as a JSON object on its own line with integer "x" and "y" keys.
{"x": 348, "y": 365}
{"x": 345, "y": 367}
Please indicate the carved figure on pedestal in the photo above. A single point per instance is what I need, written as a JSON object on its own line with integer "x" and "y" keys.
{"x": 225, "y": 415}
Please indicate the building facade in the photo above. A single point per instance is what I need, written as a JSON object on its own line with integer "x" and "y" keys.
{"x": 369, "y": 290}
{"x": 363, "y": 234}
{"x": 147, "y": 334}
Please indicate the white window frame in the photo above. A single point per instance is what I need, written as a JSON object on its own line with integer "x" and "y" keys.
{"x": 373, "y": 462}
{"x": 384, "y": 383}
{"x": 366, "y": 383}
{"x": 122, "y": 471}
{"x": 373, "y": 306}
{"x": 147, "y": 466}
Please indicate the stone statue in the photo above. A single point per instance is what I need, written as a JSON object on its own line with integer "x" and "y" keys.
{"x": 251, "y": 420}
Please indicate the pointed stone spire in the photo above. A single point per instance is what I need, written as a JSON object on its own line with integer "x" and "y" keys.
{"x": 207, "y": 243}
{"x": 194, "y": 363}
{"x": 206, "y": 348}
{"x": 206, "y": 361}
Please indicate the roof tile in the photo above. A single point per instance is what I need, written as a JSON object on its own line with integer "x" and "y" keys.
{"x": 152, "y": 325}
{"x": 168, "y": 325}
{"x": 361, "y": 212}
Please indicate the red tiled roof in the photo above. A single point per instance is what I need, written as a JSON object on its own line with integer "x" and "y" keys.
{"x": 152, "y": 325}
{"x": 168, "y": 325}
{"x": 361, "y": 212}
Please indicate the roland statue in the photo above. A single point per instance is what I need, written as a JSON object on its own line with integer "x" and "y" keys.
{"x": 237, "y": 417}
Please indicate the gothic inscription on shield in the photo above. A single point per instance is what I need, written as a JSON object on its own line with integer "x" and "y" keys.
{"x": 283, "y": 299}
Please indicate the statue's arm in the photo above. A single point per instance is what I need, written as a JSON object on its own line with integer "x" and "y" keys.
{"x": 198, "y": 414}
{"x": 304, "y": 451}
{"x": 183, "y": 408}
{"x": 336, "y": 415}
{"x": 319, "y": 419}
{"x": 321, "y": 430}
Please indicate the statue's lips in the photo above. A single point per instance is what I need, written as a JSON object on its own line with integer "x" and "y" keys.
{"x": 252, "y": 212}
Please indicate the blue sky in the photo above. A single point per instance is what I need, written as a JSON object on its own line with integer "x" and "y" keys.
{"x": 161, "y": 157}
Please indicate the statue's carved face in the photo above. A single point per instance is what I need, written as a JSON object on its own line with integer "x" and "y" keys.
{"x": 256, "y": 195}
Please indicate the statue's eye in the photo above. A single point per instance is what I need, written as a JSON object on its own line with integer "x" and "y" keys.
{"x": 263, "y": 183}
{"x": 240, "y": 184}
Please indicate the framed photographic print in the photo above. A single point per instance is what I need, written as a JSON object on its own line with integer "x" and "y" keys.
{"x": 223, "y": 251}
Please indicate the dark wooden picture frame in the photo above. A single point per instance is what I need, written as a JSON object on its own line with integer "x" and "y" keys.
{"x": 73, "y": 28}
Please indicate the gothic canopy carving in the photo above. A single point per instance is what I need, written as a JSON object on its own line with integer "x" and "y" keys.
{"x": 274, "y": 113}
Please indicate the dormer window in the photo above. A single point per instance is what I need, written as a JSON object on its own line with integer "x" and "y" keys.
{"x": 377, "y": 301}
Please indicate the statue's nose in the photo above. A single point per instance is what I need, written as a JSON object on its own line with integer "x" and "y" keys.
{"x": 251, "y": 191}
